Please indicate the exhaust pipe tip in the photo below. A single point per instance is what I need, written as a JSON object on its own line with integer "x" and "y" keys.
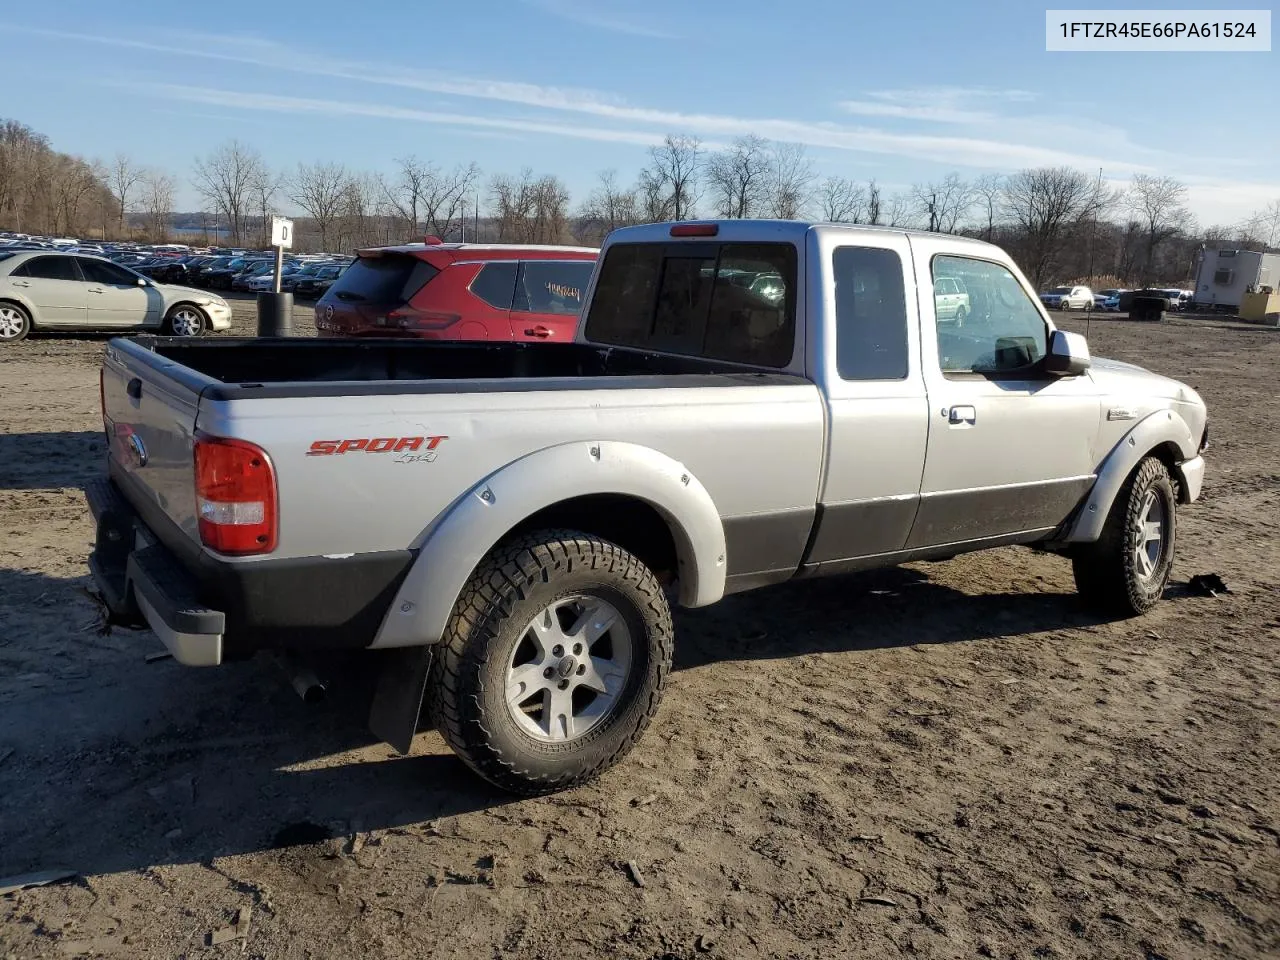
{"x": 305, "y": 683}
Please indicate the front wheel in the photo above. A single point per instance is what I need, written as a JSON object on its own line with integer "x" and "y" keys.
{"x": 185, "y": 321}
{"x": 553, "y": 663}
{"x": 1125, "y": 573}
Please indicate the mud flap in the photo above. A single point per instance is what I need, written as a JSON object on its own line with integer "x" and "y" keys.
{"x": 397, "y": 701}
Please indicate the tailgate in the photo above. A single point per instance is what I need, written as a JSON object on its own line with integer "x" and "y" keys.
{"x": 149, "y": 407}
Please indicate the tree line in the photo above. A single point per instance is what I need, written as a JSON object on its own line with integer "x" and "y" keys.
{"x": 1061, "y": 224}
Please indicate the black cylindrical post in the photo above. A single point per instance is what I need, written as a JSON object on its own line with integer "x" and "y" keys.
{"x": 275, "y": 314}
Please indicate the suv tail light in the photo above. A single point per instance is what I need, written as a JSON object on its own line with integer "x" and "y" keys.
{"x": 235, "y": 496}
{"x": 409, "y": 318}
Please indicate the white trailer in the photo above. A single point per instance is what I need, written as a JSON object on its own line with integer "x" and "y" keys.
{"x": 1224, "y": 276}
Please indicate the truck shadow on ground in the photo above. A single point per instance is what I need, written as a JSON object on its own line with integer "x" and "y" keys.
{"x": 159, "y": 764}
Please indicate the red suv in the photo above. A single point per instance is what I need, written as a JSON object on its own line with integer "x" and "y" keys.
{"x": 459, "y": 291}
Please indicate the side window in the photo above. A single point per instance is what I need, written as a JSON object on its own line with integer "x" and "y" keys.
{"x": 49, "y": 268}
{"x": 552, "y": 286}
{"x": 96, "y": 271}
{"x": 871, "y": 313}
{"x": 752, "y": 316}
{"x": 495, "y": 284}
{"x": 1004, "y": 333}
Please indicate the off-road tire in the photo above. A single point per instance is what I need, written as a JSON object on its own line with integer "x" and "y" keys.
{"x": 510, "y": 587}
{"x": 1106, "y": 572}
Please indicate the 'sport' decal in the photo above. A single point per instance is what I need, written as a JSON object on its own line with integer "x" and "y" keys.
{"x": 410, "y": 449}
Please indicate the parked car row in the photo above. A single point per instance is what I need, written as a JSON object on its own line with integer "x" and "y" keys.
{"x": 1083, "y": 298}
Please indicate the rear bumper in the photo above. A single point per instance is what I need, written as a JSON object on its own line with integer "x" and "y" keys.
{"x": 141, "y": 582}
{"x": 208, "y": 610}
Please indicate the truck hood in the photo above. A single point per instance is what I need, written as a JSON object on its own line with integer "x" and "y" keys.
{"x": 1115, "y": 377}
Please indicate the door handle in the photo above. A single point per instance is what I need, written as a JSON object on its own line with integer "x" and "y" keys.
{"x": 21, "y": 283}
{"x": 963, "y": 415}
{"x": 539, "y": 331}
{"x": 95, "y": 290}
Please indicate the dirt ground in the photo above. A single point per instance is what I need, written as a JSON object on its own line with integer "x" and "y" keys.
{"x": 943, "y": 761}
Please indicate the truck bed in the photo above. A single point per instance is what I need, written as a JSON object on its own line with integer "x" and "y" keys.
{"x": 262, "y": 367}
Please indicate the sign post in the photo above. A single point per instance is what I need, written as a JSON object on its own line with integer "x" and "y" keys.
{"x": 275, "y": 310}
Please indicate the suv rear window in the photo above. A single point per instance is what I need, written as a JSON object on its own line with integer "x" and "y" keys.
{"x": 389, "y": 278}
{"x": 723, "y": 301}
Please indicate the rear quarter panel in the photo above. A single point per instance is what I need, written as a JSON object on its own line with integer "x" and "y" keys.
{"x": 756, "y": 449}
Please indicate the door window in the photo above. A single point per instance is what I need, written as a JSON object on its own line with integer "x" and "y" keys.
{"x": 1004, "y": 334}
{"x": 871, "y": 314}
{"x": 495, "y": 284}
{"x": 49, "y": 268}
{"x": 552, "y": 286}
{"x": 99, "y": 271}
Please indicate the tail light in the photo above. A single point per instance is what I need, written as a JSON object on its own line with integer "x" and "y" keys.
{"x": 235, "y": 496}
{"x": 695, "y": 230}
{"x": 407, "y": 318}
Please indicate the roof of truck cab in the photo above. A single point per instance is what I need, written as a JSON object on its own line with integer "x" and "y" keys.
{"x": 792, "y": 229}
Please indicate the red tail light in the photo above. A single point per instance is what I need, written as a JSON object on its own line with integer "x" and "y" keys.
{"x": 695, "y": 229}
{"x": 407, "y": 318}
{"x": 235, "y": 496}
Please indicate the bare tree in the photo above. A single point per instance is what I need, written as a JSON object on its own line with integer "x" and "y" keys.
{"x": 530, "y": 210}
{"x": 122, "y": 176}
{"x": 654, "y": 203}
{"x": 157, "y": 201}
{"x": 988, "y": 192}
{"x": 225, "y": 180}
{"x": 1046, "y": 203}
{"x": 606, "y": 208}
{"x": 1264, "y": 224}
{"x": 1157, "y": 204}
{"x": 897, "y": 212}
{"x": 841, "y": 199}
{"x": 321, "y": 189}
{"x": 672, "y": 180}
{"x": 944, "y": 203}
{"x": 737, "y": 177}
{"x": 790, "y": 181}
{"x": 264, "y": 187}
{"x": 444, "y": 197}
{"x": 873, "y": 203}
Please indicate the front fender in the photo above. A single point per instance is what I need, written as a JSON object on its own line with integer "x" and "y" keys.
{"x": 454, "y": 546}
{"x": 1155, "y": 430}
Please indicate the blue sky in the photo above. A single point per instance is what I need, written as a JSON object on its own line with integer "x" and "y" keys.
{"x": 902, "y": 92}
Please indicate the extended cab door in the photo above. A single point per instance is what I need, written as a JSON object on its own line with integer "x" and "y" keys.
{"x": 548, "y": 299}
{"x": 867, "y": 346}
{"x": 1011, "y": 448}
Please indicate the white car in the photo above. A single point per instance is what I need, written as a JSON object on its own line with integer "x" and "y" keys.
{"x": 1068, "y": 298}
{"x": 48, "y": 289}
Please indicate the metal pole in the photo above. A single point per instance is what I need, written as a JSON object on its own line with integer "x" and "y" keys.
{"x": 279, "y": 266}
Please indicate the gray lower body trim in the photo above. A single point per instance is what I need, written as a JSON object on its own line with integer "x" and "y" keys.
{"x": 766, "y": 543}
{"x": 862, "y": 527}
{"x": 958, "y": 516}
{"x": 943, "y": 551}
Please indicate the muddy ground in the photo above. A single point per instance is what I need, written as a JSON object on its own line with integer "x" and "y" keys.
{"x": 949, "y": 760}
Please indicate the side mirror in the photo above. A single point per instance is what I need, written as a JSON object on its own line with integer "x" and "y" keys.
{"x": 1068, "y": 354}
{"x": 142, "y": 281}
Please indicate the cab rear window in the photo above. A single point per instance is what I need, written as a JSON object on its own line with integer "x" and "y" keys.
{"x": 383, "y": 279}
{"x": 723, "y": 301}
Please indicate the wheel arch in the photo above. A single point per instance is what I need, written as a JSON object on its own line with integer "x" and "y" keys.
{"x": 1163, "y": 435}
{"x": 647, "y": 502}
{"x": 27, "y": 308}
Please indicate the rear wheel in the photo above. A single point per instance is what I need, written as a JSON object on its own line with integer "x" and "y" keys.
{"x": 1125, "y": 573}
{"x": 15, "y": 323}
{"x": 553, "y": 663}
{"x": 961, "y": 313}
{"x": 185, "y": 320}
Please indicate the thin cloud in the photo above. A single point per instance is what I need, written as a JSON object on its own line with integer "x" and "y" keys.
{"x": 952, "y": 150}
{"x": 594, "y": 13}
{"x": 276, "y": 103}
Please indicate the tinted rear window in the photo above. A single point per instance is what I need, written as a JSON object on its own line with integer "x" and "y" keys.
{"x": 731, "y": 301}
{"x": 383, "y": 279}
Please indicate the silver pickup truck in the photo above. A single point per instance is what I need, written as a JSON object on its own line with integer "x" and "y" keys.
{"x": 746, "y": 402}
